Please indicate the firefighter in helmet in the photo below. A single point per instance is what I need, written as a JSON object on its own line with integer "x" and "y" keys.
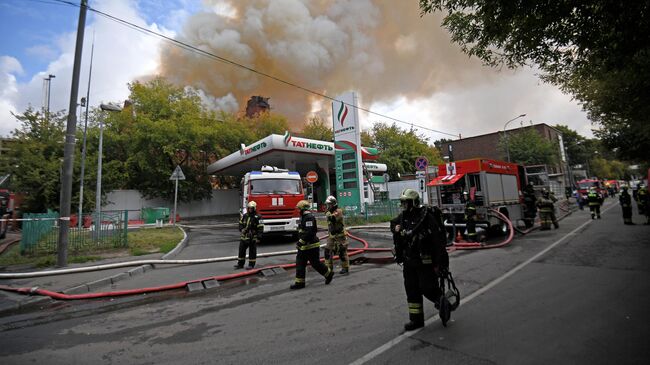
{"x": 546, "y": 207}
{"x": 250, "y": 228}
{"x": 626, "y": 204}
{"x": 594, "y": 200}
{"x": 470, "y": 217}
{"x": 420, "y": 246}
{"x": 529, "y": 203}
{"x": 643, "y": 202}
{"x": 308, "y": 248}
{"x": 337, "y": 242}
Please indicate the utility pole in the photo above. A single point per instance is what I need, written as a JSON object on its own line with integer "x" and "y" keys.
{"x": 68, "y": 152}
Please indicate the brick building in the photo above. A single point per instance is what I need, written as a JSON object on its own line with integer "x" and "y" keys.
{"x": 487, "y": 146}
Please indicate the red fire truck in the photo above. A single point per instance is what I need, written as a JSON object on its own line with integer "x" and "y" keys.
{"x": 490, "y": 183}
{"x": 276, "y": 192}
{"x": 585, "y": 184}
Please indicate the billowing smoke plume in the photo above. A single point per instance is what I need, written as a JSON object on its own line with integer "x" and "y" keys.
{"x": 382, "y": 49}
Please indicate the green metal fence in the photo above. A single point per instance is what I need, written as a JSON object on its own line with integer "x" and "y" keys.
{"x": 40, "y": 235}
{"x": 382, "y": 208}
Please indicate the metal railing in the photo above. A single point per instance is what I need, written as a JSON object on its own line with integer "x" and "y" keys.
{"x": 40, "y": 233}
{"x": 389, "y": 208}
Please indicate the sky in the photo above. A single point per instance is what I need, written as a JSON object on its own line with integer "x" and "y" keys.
{"x": 400, "y": 64}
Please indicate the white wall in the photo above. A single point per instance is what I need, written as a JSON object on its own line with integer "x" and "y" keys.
{"x": 222, "y": 202}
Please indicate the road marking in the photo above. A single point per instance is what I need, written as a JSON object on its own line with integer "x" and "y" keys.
{"x": 388, "y": 345}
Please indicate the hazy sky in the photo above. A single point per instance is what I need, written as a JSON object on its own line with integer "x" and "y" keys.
{"x": 401, "y": 65}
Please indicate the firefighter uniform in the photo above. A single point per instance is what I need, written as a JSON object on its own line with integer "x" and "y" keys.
{"x": 308, "y": 248}
{"x": 594, "y": 200}
{"x": 337, "y": 241}
{"x": 641, "y": 200}
{"x": 250, "y": 228}
{"x": 470, "y": 219}
{"x": 553, "y": 217}
{"x": 626, "y": 204}
{"x": 529, "y": 203}
{"x": 420, "y": 245}
{"x": 546, "y": 207}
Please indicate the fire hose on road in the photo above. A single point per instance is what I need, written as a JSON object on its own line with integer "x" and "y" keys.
{"x": 179, "y": 285}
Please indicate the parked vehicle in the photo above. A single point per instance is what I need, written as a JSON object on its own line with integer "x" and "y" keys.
{"x": 276, "y": 192}
{"x": 490, "y": 183}
{"x": 585, "y": 184}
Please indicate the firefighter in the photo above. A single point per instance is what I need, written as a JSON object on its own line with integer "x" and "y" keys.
{"x": 594, "y": 199}
{"x": 308, "y": 248}
{"x": 545, "y": 206}
{"x": 529, "y": 204}
{"x": 470, "y": 217}
{"x": 337, "y": 241}
{"x": 553, "y": 217}
{"x": 643, "y": 202}
{"x": 641, "y": 198}
{"x": 626, "y": 203}
{"x": 420, "y": 246}
{"x": 251, "y": 229}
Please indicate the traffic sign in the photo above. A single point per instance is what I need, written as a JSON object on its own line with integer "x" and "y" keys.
{"x": 421, "y": 163}
{"x": 311, "y": 177}
{"x": 177, "y": 174}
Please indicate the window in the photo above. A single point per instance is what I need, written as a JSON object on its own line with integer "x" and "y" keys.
{"x": 275, "y": 186}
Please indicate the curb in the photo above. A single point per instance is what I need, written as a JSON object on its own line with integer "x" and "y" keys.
{"x": 179, "y": 247}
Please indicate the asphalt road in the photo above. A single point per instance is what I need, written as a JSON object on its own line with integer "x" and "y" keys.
{"x": 577, "y": 295}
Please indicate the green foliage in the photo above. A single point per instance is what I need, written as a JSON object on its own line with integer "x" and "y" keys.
{"x": 597, "y": 51}
{"x": 608, "y": 169}
{"x": 318, "y": 129}
{"x": 35, "y": 159}
{"x": 527, "y": 147}
{"x": 400, "y": 148}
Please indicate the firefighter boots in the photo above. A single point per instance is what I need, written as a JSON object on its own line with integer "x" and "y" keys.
{"x": 329, "y": 276}
{"x": 413, "y": 325}
{"x": 297, "y": 286}
{"x": 344, "y": 271}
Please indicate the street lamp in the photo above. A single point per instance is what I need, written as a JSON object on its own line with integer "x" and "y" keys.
{"x": 98, "y": 198}
{"x": 49, "y": 82}
{"x": 506, "y": 136}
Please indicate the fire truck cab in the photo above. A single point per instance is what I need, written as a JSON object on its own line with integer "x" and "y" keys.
{"x": 490, "y": 183}
{"x": 276, "y": 192}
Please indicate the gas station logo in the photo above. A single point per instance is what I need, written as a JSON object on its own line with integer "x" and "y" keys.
{"x": 287, "y": 138}
{"x": 248, "y": 150}
{"x": 342, "y": 114}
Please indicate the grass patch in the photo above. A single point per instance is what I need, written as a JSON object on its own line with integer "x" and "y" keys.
{"x": 360, "y": 220}
{"x": 13, "y": 257}
{"x": 151, "y": 240}
{"x": 141, "y": 242}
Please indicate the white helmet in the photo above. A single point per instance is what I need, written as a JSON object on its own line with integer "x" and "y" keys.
{"x": 331, "y": 200}
{"x": 251, "y": 204}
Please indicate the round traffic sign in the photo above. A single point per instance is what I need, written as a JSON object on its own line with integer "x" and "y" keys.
{"x": 311, "y": 177}
{"x": 421, "y": 163}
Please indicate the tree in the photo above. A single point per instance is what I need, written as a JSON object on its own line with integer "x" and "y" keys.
{"x": 527, "y": 147}
{"x": 318, "y": 129}
{"x": 597, "y": 51}
{"x": 35, "y": 159}
{"x": 399, "y": 148}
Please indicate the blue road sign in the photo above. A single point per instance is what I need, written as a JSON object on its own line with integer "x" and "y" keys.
{"x": 421, "y": 163}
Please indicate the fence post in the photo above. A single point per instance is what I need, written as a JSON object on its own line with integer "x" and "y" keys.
{"x": 126, "y": 228}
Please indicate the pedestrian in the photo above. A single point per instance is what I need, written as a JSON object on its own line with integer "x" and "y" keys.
{"x": 626, "y": 203}
{"x": 641, "y": 198}
{"x": 250, "y": 228}
{"x": 529, "y": 204}
{"x": 594, "y": 199}
{"x": 645, "y": 198}
{"x": 419, "y": 240}
{"x": 545, "y": 206}
{"x": 308, "y": 248}
{"x": 337, "y": 241}
{"x": 470, "y": 217}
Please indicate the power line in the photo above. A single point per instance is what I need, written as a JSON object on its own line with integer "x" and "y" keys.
{"x": 194, "y": 49}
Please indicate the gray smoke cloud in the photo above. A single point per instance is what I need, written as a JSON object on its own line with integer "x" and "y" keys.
{"x": 383, "y": 50}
